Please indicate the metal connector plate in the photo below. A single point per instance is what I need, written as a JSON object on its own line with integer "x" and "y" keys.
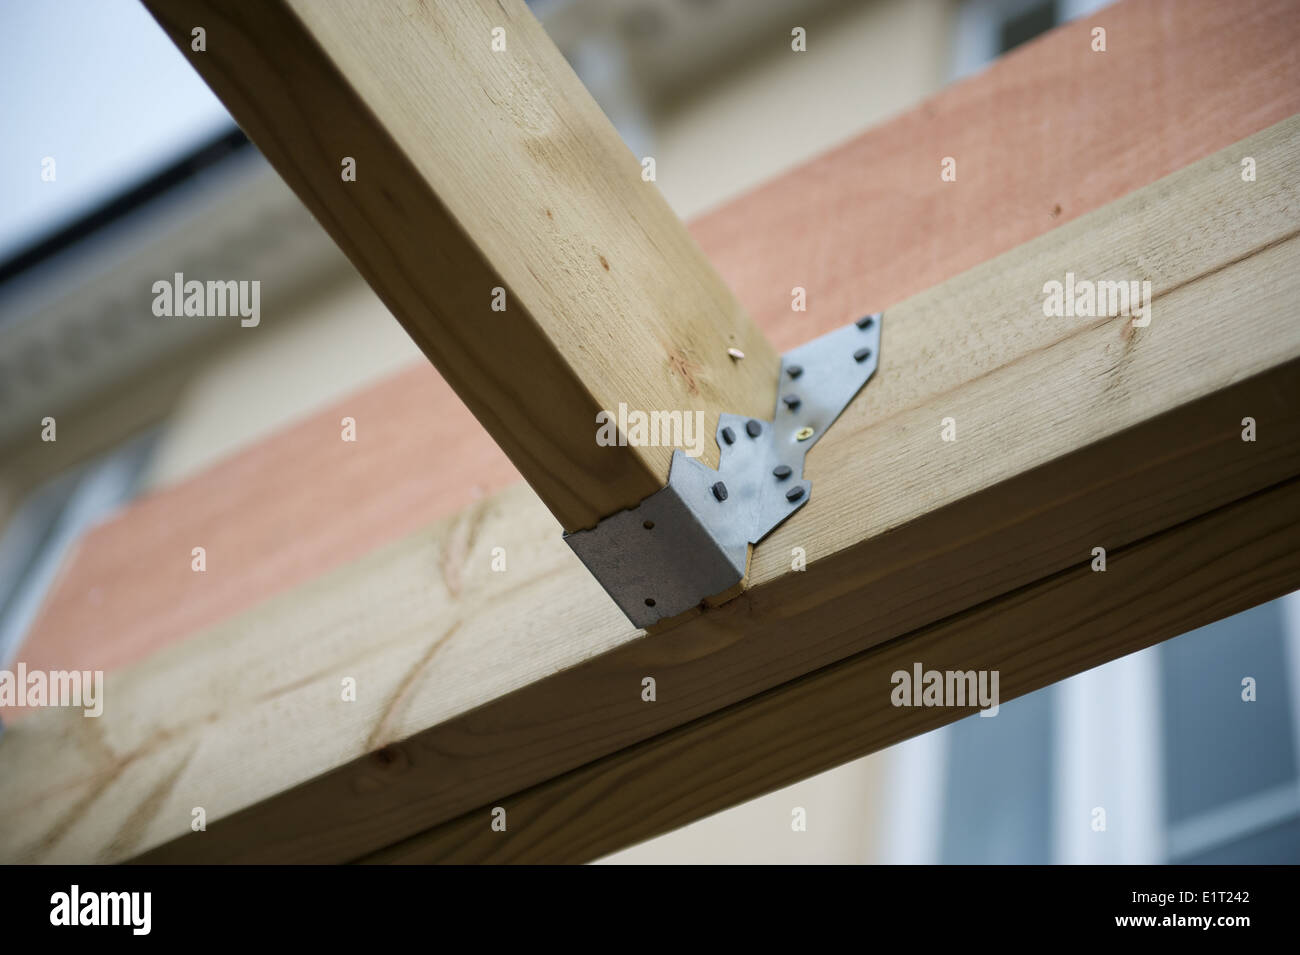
{"x": 690, "y": 540}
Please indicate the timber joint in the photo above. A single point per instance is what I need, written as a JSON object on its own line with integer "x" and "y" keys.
{"x": 690, "y": 540}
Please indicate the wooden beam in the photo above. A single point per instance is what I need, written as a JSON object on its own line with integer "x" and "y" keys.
{"x": 1072, "y": 434}
{"x": 483, "y": 164}
{"x": 862, "y": 228}
{"x": 1036, "y": 143}
{"x": 1160, "y": 587}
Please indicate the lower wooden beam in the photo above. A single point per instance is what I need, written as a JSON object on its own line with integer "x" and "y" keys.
{"x": 1154, "y": 589}
{"x": 1071, "y": 433}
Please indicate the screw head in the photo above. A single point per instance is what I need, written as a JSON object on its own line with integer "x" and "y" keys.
{"x": 804, "y": 433}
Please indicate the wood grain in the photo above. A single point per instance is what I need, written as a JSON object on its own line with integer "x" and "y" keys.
{"x": 862, "y": 228}
{"x": 1154, "y": 589}
{"x": 1046, "y": 134}
{"x": 483, "y": 163}
{"x": 473, "y": 684}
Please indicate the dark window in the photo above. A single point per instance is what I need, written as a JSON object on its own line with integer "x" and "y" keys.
{"x": 1039, "y": 18}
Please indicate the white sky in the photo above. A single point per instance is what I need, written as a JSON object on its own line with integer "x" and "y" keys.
{"x": 97, "y": 85}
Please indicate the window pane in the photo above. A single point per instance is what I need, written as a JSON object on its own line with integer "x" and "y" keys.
{"x": 1218, "y": 748}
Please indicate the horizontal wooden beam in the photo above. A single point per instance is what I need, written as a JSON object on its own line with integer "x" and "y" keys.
{"x": 861, "y": 228}
{"x": 1071, "y": 433}
{"x": 1035, "y": 144}
{"x": 457, "y": 160}
{"x": 1154, "y": 589}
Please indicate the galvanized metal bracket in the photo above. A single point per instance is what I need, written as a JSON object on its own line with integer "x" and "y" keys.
{"x": 690, "y": 540}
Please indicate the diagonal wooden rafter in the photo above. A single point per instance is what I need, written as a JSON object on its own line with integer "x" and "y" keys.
{"x": 497, "y": 213}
